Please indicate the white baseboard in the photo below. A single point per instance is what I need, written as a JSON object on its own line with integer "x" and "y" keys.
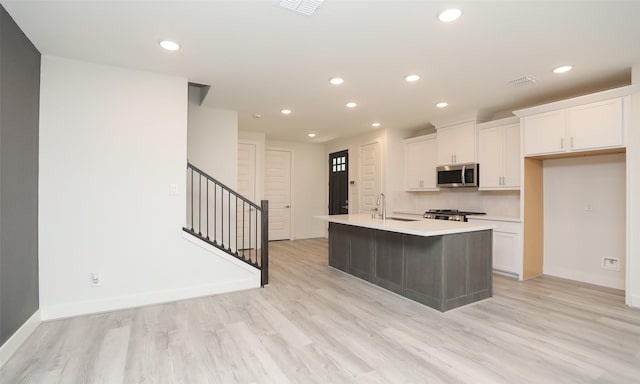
{"x": 141, "y": 300}
{"x": 605, "y": 281}
{"x": 19, "y": 337}
{"x": 633, "y": 301}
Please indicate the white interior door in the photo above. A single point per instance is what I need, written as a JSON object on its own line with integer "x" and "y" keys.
{"x": 370, "y": 176}
{"x": 278, "y": 192}
{"x": 247, "y": 188}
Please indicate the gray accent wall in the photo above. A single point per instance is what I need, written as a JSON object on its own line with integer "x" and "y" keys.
{"x": 19, "y": 119}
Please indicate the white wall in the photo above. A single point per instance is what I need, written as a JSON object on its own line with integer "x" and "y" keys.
{"x": 585, "y": 218}
{"x": 213, "y": 140}
{"x": 309, "y": 187}
{"x": 112, "y": 141}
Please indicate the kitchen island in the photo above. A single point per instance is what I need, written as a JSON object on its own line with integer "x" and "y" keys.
{"x": 441, "y": 264}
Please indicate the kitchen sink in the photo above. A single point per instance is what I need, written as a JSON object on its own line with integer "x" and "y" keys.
{"x": 401, "y": 219}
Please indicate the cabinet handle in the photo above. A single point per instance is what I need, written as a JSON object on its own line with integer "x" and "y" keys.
{"x": 561, "y": 143}
{"x": 571, "y": 141}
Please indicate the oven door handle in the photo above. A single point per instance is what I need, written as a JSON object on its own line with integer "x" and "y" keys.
{"x": 464, "y": 171}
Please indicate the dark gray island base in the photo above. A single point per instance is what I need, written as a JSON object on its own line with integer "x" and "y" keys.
{"x": 442, "y": 272}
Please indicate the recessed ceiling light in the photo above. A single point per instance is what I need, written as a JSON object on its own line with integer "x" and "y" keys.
{"x": 376, "y": 124}
{"x": 336, "y": 80}
{"x": 312, "y": 135}
{"x": 351, "y": 104}
{"x": 169, "y": 45}
{"x": 563, "y": 69}
{"x": 450, "y": 15}
{"x": 442, "y": 104}
{"x": 286, "y": 111}
{"x": 412, "y": 78}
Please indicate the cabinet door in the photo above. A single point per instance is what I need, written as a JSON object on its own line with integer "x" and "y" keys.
{"x": 423, "y": 269}
{"x": 465, "y": 146}
{"x": 412, "y": 165}
{"x": 361, "y": 255}
{"x": 339, "y": 246}
{"x": 505, "y": 251}
{"x": 420, "y": 165}
{"x": 490, "y": 157}
{"x": 595, "y": 125}
{"x": 446, "y": 145}
{"x": 511, "y": 148}
{"x": 388, "y": 261}
{"x": 544, "y": 133}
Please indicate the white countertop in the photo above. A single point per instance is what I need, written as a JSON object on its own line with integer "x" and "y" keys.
{"x": 418, "y": 227}
{"x": 416, "y": 215}
{"x": 495, "y": 218}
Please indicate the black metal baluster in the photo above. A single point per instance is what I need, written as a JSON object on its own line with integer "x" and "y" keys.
{"x": 207, "y": 209}
{"x": 191, "y": 199}
{"x": 215, "y": 211}
{"x": 236, "y": 226}
{"x": 243, "y": 246}
{"x": 222, "y": 216}
{"x": 250, "y": 232}
{"x": 200, "y": 204}
{"x": 257, "y": 237}
{"x": 229, "y": 202}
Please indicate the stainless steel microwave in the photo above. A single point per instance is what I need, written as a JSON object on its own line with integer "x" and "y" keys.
{"x": 458, "y": 175}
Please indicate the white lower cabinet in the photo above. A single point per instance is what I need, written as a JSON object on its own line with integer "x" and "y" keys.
{"x": 507, "y": 246}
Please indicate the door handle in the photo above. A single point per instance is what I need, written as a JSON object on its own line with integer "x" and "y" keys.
{"x": 287, "y": 206}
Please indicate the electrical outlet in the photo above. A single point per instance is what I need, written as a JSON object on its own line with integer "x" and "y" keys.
{"x": 611, "y": 263}
{"x": 96, "y": 279}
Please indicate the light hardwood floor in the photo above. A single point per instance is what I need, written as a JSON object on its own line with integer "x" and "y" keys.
{"x": 314, "y": 324}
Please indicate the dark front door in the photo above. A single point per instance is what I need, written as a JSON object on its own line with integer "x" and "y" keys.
{"x": 339, "y": 183}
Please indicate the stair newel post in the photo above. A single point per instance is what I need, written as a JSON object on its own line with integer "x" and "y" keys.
{"x": 264, "y": 226}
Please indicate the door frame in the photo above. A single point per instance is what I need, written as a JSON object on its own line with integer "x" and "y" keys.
{"x": 291, "y": 184}
{"x": 328, "y": 175}
{"x": 259, "y": 166}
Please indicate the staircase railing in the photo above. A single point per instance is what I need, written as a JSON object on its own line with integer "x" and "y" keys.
{"x": 227, "y": 220}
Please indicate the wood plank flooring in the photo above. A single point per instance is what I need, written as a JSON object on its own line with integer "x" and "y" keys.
{"x": 314, "y": 324}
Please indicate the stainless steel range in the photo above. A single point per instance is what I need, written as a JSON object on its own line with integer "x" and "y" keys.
{"x": 449, "y": 214}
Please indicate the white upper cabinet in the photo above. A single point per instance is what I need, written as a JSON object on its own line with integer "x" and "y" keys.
{"x": 587, "y": 127}
{"x": 544, "y": 133}
{"x": 457, "y": 144}
{"x": 420, "y": 163}
{"x": 499, "y": 154}
{"x": 595, "y": 125}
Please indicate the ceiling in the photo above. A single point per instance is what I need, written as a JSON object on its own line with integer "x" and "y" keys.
{"x": 259, "y": 58}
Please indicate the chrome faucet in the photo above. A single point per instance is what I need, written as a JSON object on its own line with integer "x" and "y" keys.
{"x": 382, "y": 200}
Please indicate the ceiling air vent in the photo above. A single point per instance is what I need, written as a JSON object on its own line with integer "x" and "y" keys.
{"x": 522, "y": 81}
{"x": 306, "y": 7}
